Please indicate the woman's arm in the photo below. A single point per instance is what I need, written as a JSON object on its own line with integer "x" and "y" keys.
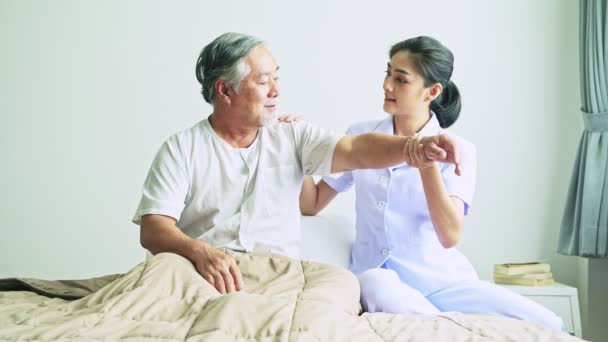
{"x": 447, "y": 212}
{"x": 315, "y": 197}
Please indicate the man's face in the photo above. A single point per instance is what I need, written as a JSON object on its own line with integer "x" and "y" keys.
{"x": 259, "y": 91}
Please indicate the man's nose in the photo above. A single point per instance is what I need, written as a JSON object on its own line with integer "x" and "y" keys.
{"x": 275, "y": 89}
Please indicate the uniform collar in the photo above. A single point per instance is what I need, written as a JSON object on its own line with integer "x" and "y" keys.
{"x": 430, "y": 128}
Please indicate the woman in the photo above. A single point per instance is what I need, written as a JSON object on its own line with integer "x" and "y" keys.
{"x": 410, "y": 216}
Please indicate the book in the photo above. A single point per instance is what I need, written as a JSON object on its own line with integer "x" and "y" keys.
{"x": 522, "y": 268}
{"x": 526, "y": 276}
{"x": 522, "y": 281}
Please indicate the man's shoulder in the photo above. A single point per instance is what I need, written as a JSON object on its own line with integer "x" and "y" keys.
{"x": 189, "y": 134}
{"x": 292, "y": 129}
{"x": 300, "y": 134}
{"x": 299, "y": 127}
{"x": 280, "y": 129}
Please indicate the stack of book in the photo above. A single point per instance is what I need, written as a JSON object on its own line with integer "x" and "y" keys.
{"x": 530, "y": 274}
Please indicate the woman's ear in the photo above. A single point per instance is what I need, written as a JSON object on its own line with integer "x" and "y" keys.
{"x": 434, "y": 91}
{"x": 222, "y": 91}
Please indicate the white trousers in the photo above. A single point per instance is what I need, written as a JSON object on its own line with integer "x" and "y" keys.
{"x": 383, "y": 291}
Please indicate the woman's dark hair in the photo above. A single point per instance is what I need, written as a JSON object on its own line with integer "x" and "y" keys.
{"x": 435, "y": 63}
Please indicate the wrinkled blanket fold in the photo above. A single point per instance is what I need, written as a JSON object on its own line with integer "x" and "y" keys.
{"x": 164, "y": 298}
{"x": 64, "y": 289}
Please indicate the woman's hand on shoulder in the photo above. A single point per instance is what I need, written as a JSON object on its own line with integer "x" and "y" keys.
{"x": 290, "y": 118}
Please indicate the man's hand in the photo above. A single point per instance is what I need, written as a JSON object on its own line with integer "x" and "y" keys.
{"x": 158, "y": 234}
{"x": 423, "y": 152}
{"x": 218, "y": 268}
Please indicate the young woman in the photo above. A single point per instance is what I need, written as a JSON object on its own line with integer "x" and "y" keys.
{"x": 409, "y": 217}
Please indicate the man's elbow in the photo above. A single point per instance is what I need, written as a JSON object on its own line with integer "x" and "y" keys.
{"x": 145, "y": 233}
{"x": 144, "y": 240}
{"x": 344, "y": 158}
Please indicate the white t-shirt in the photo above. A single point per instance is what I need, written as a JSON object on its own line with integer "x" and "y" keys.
{"x": 244, "y": 199}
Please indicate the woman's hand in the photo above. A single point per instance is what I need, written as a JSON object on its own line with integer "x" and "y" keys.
{"x": 290, "y": 118}
{"x": 415, "y": 153}
{"x": 444, "y": 149}
{"x": 422, "y": 152}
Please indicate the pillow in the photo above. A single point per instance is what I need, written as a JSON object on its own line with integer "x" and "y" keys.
{"x": 327, "y": 238}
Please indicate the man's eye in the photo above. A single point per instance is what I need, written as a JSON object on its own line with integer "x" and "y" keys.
{"x": 388, "y": 73}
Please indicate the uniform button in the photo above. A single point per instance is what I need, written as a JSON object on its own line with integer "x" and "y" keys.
{"x": 381, "y": 204}
{"x": 385, "y": 251}
{"x": 382, "y": 179}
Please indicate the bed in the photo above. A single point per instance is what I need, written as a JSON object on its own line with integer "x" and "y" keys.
{"x": 164, "y": 299}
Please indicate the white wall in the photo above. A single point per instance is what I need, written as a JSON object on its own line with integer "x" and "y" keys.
{"x": 89, "y": 90}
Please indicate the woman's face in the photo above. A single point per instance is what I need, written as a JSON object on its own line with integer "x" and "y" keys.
{"x": 404, "y": 91}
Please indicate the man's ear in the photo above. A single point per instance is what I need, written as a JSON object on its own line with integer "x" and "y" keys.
{"x": 434, "y": 91}
{"x": 223, "y": 91}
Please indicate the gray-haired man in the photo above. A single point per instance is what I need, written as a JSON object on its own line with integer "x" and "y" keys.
{"x": 232, "y": 180}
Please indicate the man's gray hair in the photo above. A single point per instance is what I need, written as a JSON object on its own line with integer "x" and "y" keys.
{"x": 224, "y": 59}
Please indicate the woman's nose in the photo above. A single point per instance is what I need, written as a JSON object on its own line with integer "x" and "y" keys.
{"x": 387, "y": 85}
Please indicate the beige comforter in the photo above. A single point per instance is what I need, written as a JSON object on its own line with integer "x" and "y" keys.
{"x": 164, "y": 299}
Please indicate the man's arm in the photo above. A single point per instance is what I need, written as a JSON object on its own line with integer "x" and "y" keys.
{"x": 377, "y": 151}
{"x": 158, "y": 233}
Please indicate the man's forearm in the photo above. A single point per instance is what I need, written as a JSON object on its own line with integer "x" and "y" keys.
{"x": 368, "y": 151}
{"x": 159, "y": 234}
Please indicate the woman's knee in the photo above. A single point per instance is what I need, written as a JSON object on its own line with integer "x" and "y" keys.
{"x": 375, "y": 277}
{"x": 377, "y": 285}
{"x": 383, "y": 291}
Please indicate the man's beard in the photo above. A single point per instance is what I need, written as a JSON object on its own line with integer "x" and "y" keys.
{"x": 267, "y": 120}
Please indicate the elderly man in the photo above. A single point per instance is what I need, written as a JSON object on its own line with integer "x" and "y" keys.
{"x": 233, "y": 180}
